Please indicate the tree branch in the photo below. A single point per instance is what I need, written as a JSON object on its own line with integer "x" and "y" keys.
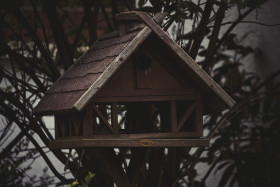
{"x": 214, "y": 37}
{"x": 54, "y": 71}
{"x": 201, "y": 29}
{"x": 63, "y": 45}
{"x": 91, "y": 18}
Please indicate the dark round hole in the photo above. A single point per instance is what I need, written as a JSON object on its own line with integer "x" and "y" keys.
{"x": 143, "y": 62}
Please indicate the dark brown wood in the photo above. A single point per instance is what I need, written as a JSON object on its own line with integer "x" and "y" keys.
{"x": 173, "y": 116}
{"x": 187, "y": 59}
{"x": 114, "y": 116}
{"x": 158, "y": 79}
{"x": 121, "y": 92}
{"x": 88, "y": 123}
{"x": 144, "y": 78}
{"x": 56, "y": 127}
{"x": 127, "y": 16}
{"x": 186, "y": 115}
{"x": 67, "y": 161}
{"x": 80, "y": 143}
{"x": 144, "y": 98}
{"x": 155, "y": 167}
{"x": 199, "y": 117}
{"x": 105, "y": 121}
{"x": 62, "y": 126}
{"x": 101, "y": 62}
{"x": 114, "y": 66}
{"x": 148, "y": 135}
{"x": 170, "y": 171}
{"x": 77, "y": 124}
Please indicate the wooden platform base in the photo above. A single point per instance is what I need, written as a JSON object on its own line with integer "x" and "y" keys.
{"x": 83, "y": 143}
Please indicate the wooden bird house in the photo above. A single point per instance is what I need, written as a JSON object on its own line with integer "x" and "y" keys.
{"x": 133, "y": 88}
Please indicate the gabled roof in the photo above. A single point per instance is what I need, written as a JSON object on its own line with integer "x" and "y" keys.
{"x": 87, "y": 76}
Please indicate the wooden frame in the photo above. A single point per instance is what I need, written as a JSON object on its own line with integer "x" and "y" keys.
{"x": 68, "y": 125}
{"x": 83, "y": 143}
{"x": 175, "y": 124}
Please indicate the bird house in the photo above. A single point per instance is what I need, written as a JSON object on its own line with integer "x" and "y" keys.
{"x": 134, "y": 87}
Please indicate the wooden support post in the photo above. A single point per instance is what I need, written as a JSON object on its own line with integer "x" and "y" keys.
{"x": 173, "y": 116}
{"x": 199, "y": 117}
{"x": 62, "y": 125}
{"x": 56, "y": 126}
{"x": 77, "y": 123}
{"x": 114, "y": 116}
{"x": 171, "y": 157}
{"x": 88, "y": 123}
{"x": 101, "y": 116}
{"x": 186, "y": 115}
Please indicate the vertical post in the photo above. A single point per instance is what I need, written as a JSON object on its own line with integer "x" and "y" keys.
{"x": 114, "y": 116}
{"x": 173, "y": 116}
{"x": 62, "y": 125}
{"x": 56, "y": 126}
{"x": 88, "y": 123}
{"x": 199, "y": 115}
{"x": 172, "y": 152}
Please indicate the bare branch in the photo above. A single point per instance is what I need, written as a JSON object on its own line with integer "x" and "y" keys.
{"x": 63, "y": 45}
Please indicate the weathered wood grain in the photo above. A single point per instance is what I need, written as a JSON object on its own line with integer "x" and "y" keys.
{"x": 148, "y": 135}
{"x": 187, "y": 59}
{"x": 80, "y": 143}
{"x": 114, "y": 66}
{"x": 186, "y": 115}
{"x": 104, "y": 120}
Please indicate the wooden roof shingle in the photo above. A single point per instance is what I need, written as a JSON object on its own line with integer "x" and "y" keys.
{"x": 88, "y": 75}
{"x": 65, "y": 92}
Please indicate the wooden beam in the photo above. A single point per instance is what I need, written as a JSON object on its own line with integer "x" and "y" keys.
{"x": 101, "y": 116}
{"x": 186, "y": 115}
{"x": 145, "y": 98}
{"x": 82, "y": 143}
{"x": 132, "y": 15}
{"x": 88, "y": 123}
{"x": 77, "y": 123}
{"x": 56, "y": 124}
{"x": 199, "y": 117}
{"x": 173, "y": 116}
{"x": 211, "y": 84}
{"x": 148, "y": 135}
{"x": 114, "y": 116}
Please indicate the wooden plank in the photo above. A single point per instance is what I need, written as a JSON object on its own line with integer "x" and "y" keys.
{"x": 156, "y": 162}
{"x": 143, "y": 98}
{"x": 114, "y": 66}
{"x": 132, "y": 15}
{"x": 101, "y": 116}
{"x": 63, "y": 126}
{"x": 147, "y": 135}
{"x": 56, "y": 124}
{"x": 114, "y": 92}
{"x": 83, "y": 143}
{"x": 173, "y": 116}
{"x": 127, "y": 16}
{"x": 199, "y": 117}
{"x": 114, "y": 116}
{"x": 144, "y": 78}
{"x": 188, "y": 60}
{"x": 186, "y": 115}
{"x": 88, "y": 123}
{"x": 77, "y": 123}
